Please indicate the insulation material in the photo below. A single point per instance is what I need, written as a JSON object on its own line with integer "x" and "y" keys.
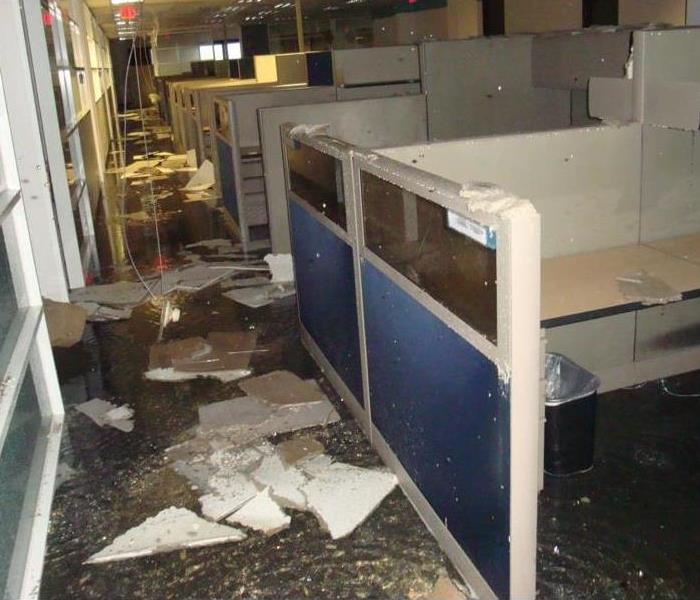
{"x": 171, "y": 529}
{"x": 647, "y": 289}
{"x": 261, "y": 513}
{"x": 342, "y": 496}
{"x": 283, "y": 388}
{"x": 107, "y": 414}
{"x": 66, "y": 323}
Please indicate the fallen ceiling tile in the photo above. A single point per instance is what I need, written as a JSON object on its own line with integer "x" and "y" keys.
{"x": 163, "y": 355}
{"x": 170, "y": 375}
{"x": 171, "y": 529}
{"x": 261, "y": 513}
{"x": 446, "y": 589}
{"x": 257, "y": 297}
{"x": 105, "y": 413}
{"x": 65, "y": 322}
{"x": 228, "y": 493}
{"x": 281, "y": 267}
{"x": 342, "y": 496}
{"x": 284, "y": 482}
{"x": 112, "y": 294}
{"x": 282, "y": 388}
{"x": 300, "y": 449}
{"x": 237, "y": 411}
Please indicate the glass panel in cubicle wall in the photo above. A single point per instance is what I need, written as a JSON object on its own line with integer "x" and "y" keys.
{"x": 420, "y": 240}
{"x": 16, "y": 459}
{"x": 317, "y": 178}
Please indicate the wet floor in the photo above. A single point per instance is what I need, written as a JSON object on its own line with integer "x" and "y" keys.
{"x": 627, "y": 529}
{"x": 121, "y": 478}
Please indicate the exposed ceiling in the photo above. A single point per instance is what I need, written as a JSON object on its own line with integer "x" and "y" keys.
{"x": 195, "y": 15}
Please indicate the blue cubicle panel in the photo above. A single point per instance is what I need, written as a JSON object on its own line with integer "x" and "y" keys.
{"x": 325, "y": 280}
{"x": 439, "y": 404}
{"x": 228, "y": 183}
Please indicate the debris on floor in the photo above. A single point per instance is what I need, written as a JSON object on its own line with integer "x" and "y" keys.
{"x": 97, "y": 313}
{"x": 171, "y": 529}
{"x": 298, "y": 450}
{"x": 261, "y": 513}
{"x": 170, "y": 375}
{"x": 283, "y": 388}
{"x": 259, "y": 296}
{"x": 120, "y": 293}
{"x": 228, "y": 413}
{"x": 342, "y": 496}
{"x": 281, "y": 267}
{"x": 446, "y": 589}
{"x": 65, "y": 322}
{"x": 285, "y": 483}
{"x": 242, "y": 282}
{"x": 228, "y": 493}
{"x": 203, "y": 179}
{"x": 105, "y": 413}
{"x": 64, "y": 472}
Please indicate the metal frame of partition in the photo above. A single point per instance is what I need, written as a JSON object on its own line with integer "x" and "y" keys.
{"x": 514, "y": 360}
{"x": 25, "y": 356}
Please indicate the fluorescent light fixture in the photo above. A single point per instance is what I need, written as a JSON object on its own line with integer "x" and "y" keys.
{"x": 119, "y": 2}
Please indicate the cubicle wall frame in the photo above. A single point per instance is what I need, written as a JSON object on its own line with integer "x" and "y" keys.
{"x": 516, "y": 355}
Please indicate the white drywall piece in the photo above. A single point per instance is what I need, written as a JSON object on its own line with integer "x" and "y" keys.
{"x": 112, "y": 294}
{"x": 281, "y": 267}
{"x": 170, "y": 375}
{"x": 257, "y": 297}
{"x": 283, "y": 388}
{"x": 170, "y": 529}
{"x": 105, "y": 413}
{"x": 228, "y": 493}
{"x": 316, "y": 465}
{"x": 203, "y": 179}
{"x": 342, "y": 496}
{"x": 284, "y": 482}
{"x": 238, "y": 411}
{"x": 261, "y": 513}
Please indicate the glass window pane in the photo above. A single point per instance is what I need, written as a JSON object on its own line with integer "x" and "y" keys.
{"x": 8, "y": 302}
{"x": 412, "y": 235}
{"x": 15, "y": 464}
{"x": 317, "y": 178}
{"x": 218, "y": 51}
{"x": 234, "y": 50}
{"x": 206, "y": 52}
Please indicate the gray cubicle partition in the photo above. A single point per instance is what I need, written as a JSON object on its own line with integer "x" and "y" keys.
{"x": 371, "y": 123}
{"x": 437, "y": 362}
{"x": 238, "y": 157}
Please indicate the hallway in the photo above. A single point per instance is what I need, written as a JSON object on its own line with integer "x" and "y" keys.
{"x": 122, "y": 478}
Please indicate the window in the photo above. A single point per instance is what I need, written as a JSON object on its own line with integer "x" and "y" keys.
{"x": 215, "y": 51}
{"x": 206, "y": 52}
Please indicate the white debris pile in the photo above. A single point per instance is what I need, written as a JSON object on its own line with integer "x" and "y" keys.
{"x": 105, "y": 413}
{"x": 203, "y": 179}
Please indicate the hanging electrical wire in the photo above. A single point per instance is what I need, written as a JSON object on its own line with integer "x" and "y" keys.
{"x": 667, "y": 390}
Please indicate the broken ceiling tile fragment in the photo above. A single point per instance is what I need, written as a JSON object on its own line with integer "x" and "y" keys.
{"x": 261, "y": 513}
{"x": 237, "y": 411}
{"x": 446, "y": 589}
{"x": 170, "y": 375}
{"x": 285, "y": 483}
{"x": 171, "y": 529}
{"x": 97, "y": 313}
{"x": 282, "y": 388}
{"x": 65, "y": 322}
{"x": 259, "y": 296}
{"x": 227, "y": 493}
{"x": 315, "y": 465}
{"x": 203, "y": 179}
{"x": 163, "y": 355}
{"x": 281, "y": 267}
{"x": 342, "y": 496}
{"x": 300, "y": 449}
{"x": 105, "y": 413}
{"x": 243, "y": 282}
{"x": 647, "y": 288}
{"x": 112, "y": 294}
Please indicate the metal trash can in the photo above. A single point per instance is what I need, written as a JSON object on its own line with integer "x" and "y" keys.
{"x": 570, "y": 405}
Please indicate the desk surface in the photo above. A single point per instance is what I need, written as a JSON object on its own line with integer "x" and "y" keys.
{"x": 585, "y": 285}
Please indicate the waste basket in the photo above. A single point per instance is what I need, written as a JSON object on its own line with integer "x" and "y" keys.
{"x": 570, "y": 406}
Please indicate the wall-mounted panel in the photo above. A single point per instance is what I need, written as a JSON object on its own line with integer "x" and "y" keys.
{"x": 484, "y": 86}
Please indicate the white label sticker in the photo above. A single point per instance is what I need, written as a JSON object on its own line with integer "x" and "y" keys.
{"x": 473, "y": 230}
